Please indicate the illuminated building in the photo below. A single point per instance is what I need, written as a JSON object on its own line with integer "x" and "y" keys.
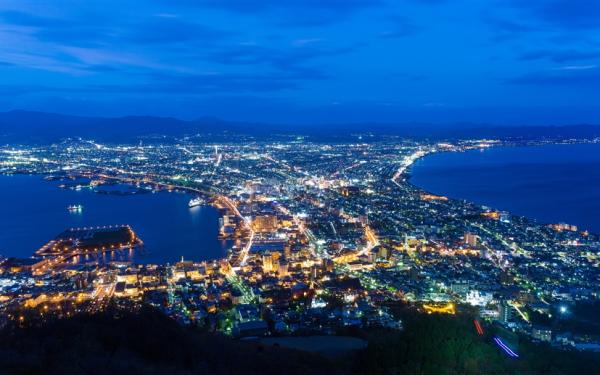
{"x": 16, "y": 265}
{"x": 264, "y": 223}
{"x": 471, "y": 239}
{"x": 448, "y": 308}
{"x": 348, "y": 191}
{"x": 563, "y": 227}
{"x": 494, "y": 215}
{"x": 327, "y": 265}
{"x": 504, "y": 312}
{"x": 431, "y": 197}
{"x": 267, "y": 262}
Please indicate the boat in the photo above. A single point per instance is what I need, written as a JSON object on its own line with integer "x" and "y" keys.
{"x": 75, "y": 208}
{"x": 196, "y": 202}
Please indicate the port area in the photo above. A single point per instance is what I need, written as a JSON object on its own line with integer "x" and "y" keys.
{"x": 87, "y": 240}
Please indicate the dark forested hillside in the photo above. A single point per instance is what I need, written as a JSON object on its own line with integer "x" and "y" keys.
{"x": 147, "y": 342}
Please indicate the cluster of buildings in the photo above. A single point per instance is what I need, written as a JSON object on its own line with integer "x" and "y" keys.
{"x": 324, "y": 236}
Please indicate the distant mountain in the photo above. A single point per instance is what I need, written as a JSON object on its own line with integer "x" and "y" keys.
{"x": 40, "y": 127}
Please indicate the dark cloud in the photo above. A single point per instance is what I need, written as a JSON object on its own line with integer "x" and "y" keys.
{"x": 306, "y": 51}
{"x": 568, "y": 14}
{"x": 61, "y": 30}
{"x": 99, "y": 44}
{"x": 560, "y": 56}
{"x": 200, "y": 84}
{"x": 292, "y": 60}
{"x": 572, "y": 76}
{"x": 159, "y": 30}
{"x": 25, "y": 19}
{"x": 98, "y": 33}
{"x": 171, "y": 83}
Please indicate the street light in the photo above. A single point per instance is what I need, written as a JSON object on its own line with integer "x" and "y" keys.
{"x": 563, "y": 309}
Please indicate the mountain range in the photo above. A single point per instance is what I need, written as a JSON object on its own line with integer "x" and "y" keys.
{"x": 40, "y": 127}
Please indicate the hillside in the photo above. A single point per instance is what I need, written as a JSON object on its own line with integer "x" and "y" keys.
{"x": 147, "y": 342}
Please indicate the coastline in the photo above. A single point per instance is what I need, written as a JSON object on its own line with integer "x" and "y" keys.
{"x": 192, "y": 233}
{"x": 408, "y": 179}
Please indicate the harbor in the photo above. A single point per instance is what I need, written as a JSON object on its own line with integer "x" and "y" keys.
{"x": 169, "y": 228}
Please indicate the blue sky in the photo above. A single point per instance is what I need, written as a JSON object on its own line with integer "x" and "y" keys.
{"x": 293, "y": 61}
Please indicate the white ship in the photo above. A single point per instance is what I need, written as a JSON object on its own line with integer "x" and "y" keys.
{"x": 196, "y": 202}
{"x": 75, "y": 208}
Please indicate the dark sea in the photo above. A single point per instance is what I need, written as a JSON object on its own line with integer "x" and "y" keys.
{"x": 550, "y": 183}
{"x": 33, "y": 211}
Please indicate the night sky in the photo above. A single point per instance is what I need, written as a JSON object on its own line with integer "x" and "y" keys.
{"x": 293, "y": 61}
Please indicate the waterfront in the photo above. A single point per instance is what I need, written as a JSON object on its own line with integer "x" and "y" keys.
{"x": 313, "y": 223}
{"x": 550, "y": 183}
{"x": 35, "y": 211}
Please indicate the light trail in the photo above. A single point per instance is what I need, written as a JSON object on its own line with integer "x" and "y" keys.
{"x": 246, "y": 250}
{"x": 478, "y": 327}
{"x": 521, "y": 313}
{"x": 505, "y": 348}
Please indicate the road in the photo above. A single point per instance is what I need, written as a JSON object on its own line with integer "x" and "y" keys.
{"x": 247, "y": 225}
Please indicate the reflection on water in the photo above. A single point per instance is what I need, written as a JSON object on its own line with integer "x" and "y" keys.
{"x": 35, "y": 211}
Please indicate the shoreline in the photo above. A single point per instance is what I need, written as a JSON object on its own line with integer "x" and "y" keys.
{"x": 160, "y": 250}
{"x": 407, "y": 178}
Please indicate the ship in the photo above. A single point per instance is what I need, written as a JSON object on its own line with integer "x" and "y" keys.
{"x": 196, "y": 202}
{"x": 75, "y": 208}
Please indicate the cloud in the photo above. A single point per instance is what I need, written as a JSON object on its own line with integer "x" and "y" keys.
{"x": 429, "y": 2}
{"x": 560, "y": 56}
{"x": 292, "y": 60}
{"x": 578, "y": 67}
{"x": 289, "y": 12}
{"x": 245, "y": 6}
{"x": 95, "y": 46}
{"x": 574, "y": 78}
{"x": 160, "y": 30}
{"x": 507, "y": 26}
{"x": 566, "y": 14}
{"x": 176, "y": 84}
{"x": 307, "y": 41}
{"x": 54, "y": 29}
{"x": 506, "y": 29}
{"x": 30, "y": 20}
{"x": 98, "y": 32}
{"x": 199, "y": 84}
